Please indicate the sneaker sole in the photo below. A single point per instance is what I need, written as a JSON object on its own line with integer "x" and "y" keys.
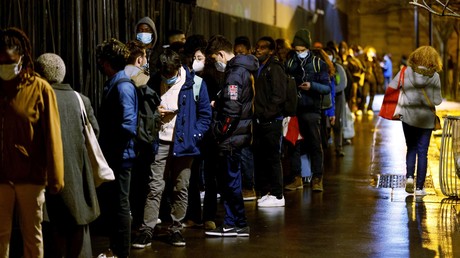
{"x": 249, "y": 198}
{"x": 180, "y": 244}
{"x": 140, "y": 246}
{"x": 221, "y": 234}
{"x": 243, "y": 234}
{"x": 268, "y": 206}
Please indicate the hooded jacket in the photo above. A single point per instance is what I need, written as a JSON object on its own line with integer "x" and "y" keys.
{"x": 232, "y": 123}
{"x": 413, "y": 106}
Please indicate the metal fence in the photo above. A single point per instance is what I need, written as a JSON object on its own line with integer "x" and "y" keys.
{"x": 449, "y": 170}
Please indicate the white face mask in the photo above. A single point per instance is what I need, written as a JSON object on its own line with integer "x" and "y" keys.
{"x": 220, "y": 66}
{"x": 303, "y": 54}
{"x": 198, "y": 66}
{"x": 144, "y": 37}
{"x": 331, "y": 58}
{"x": 10, "y": 71}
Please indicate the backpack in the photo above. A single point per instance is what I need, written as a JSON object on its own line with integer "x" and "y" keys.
{"x": 326, "y": 100}
{"x": 290, "y": 103}
{"x": 148, "y": 118}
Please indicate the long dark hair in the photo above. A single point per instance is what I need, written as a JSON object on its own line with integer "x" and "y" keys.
{"x": 15, "y": 39}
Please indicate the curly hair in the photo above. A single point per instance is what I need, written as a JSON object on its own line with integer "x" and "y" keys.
{"x": 136, "y": 49}
{"x": 15, "y": 39}
{"x": 427, "y": 57}
{"x": 113, "y": 51}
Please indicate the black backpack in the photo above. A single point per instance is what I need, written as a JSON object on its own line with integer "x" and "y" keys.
{"x": 292, "y": 96}
{"x": 148, "y": 118}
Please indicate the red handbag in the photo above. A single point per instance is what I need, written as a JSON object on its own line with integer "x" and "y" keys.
{"x": 390, "y": 99}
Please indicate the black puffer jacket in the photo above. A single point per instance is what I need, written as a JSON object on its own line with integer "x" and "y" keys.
{"x": 232, "y": 123}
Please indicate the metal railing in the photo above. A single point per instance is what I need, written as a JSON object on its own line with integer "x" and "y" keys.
{"x": 449, "y": 170}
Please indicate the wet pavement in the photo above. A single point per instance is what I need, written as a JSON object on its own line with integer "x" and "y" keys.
{"x": 363, "y": 212}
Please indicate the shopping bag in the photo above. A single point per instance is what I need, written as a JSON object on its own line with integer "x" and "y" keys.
{"x": 390, "y": 99}
{"x": 101, "y": 170}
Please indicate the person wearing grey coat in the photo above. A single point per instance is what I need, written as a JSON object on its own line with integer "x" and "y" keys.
{"x": 420, "y": 93}
{"x": 66, "y": 234}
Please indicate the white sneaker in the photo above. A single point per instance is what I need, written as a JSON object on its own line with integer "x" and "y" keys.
{"x": 410, "y": 185}
{"x": 261, "y": 199}
{"x": 158, "y": 221}
{"x": 272, "y": 201}
{"x": 420, "y": 192}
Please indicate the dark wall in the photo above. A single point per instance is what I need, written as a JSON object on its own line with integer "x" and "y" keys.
{"x": 73, "y": 29}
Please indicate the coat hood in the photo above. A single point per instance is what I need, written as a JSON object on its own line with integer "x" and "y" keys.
{"x": 149, "y": 22}
{"x": 418, "y": 79}
{"x": 248, "y": 62}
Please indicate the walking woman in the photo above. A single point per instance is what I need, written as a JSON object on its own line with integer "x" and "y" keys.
{"x": 420, "y": 93}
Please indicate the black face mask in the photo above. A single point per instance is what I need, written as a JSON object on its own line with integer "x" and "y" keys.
{"x": 263, "y": 58}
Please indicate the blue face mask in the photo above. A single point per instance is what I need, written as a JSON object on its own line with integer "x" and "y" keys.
{"x": 303, "y": 54}
{"x": 170, "y": 81}
{"x": 144, "y": 37}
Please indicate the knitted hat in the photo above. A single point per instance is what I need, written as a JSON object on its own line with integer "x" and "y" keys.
{"x": 302, "y": 38}
{"x": 148, "y": 21}
{"x": 51, "y": 67}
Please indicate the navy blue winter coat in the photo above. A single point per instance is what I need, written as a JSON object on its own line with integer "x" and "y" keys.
{"x": 193, "y": 118}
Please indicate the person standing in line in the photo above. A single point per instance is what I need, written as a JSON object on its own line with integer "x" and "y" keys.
{"x": 184, "y": 123}
{"x": 118, "y": 124}
{"x": 242, "y": 46}
{"x": 146, "y": 33}
{"x": 341, "y": 82}
{"x": 70, "y": 212}
{"x": 231, "y": 128}
{"x": 31, "y": 159}
{"x": 312, "y": 86}
{"x": 422, "y": 91}
{"x": 270, "y": 85}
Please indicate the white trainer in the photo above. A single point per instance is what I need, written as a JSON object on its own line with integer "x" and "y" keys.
{"x": 272, "y": 201}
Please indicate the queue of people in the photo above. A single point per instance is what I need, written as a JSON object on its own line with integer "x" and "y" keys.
{"x": 222, "y": 130}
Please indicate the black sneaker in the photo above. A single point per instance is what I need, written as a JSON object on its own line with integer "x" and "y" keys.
{"x": 223, "y": 230}
{"x": 176, "y": 239}
{"x": 142, "y": 241}
{"x": 243, "y": 231}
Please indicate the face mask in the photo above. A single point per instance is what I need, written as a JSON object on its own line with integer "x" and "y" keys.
{"x": 197, "y": 66}
{"x": 10, "y": 71}
{"x": 303, "y": 54}
{"x": 220, "y": 66}
{"x": 171, "y": 81}
{"x": 331, "y": 58}
{"x": 144, "y": 37}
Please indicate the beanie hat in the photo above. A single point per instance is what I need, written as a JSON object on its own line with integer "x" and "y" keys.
{"x": 51, "y": 67}
{"x": 148, "y": 21}
{"x": 302, "y": 38}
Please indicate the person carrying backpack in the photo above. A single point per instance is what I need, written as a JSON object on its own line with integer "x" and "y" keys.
{"x": 270, "y": 87}
{"x": 312, "y": 86}
{"x": 184, "y": 122}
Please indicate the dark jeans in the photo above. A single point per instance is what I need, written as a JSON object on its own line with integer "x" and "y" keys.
{"x": 309, "y": 126}
{"x": 417, "y": 142}
{"x": 247, "y": 167}
{"x": 115, "y": 210}
{"x": 229, "y": 163}
{"x": 267, "y": 157}
{"x": 194, "y": 201}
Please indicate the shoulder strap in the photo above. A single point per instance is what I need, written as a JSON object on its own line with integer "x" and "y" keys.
{"x": 82, "y": 107}
{"x": 197, "y": 86}
{"x": 429, "y": 101}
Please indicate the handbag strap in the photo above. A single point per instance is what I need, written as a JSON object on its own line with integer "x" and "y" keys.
{"x": 82, "y": 108}
{"x": 401, "y": 77}
{"x": 433, "y": 109}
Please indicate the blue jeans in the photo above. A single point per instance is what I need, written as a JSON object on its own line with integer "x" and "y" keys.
{"x": 417, "y": 142}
